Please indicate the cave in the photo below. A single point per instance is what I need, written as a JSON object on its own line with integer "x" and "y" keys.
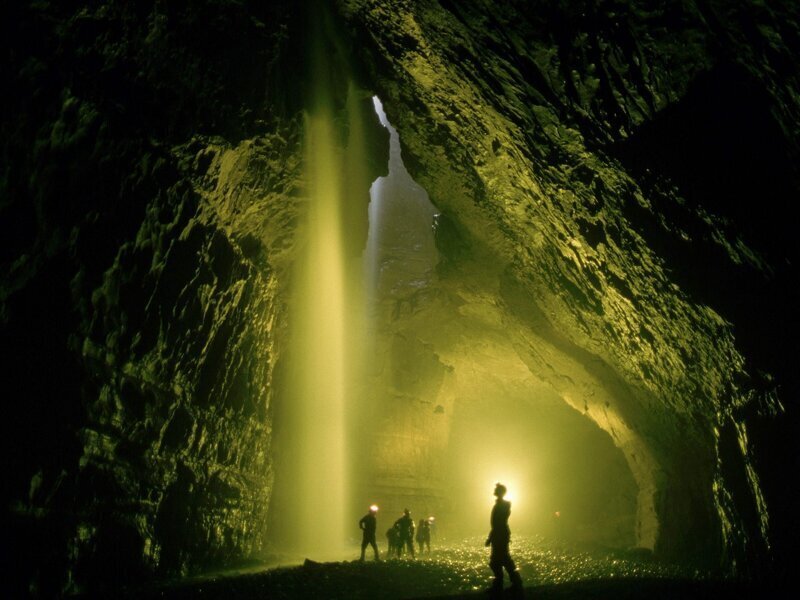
{"x": 265, "y": 265}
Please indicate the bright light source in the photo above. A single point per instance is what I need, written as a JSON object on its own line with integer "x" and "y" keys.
{"x": 373, "y": 508}
{"x": 511, "y": 485}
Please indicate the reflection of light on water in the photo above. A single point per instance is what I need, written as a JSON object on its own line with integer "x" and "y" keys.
{"x": 458, "y": 567}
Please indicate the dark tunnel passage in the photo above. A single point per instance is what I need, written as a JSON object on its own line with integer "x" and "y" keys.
{"x": 232, "y": 318}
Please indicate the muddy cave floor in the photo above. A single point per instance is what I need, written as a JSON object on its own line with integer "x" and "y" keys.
{"x": 459, "y": 570}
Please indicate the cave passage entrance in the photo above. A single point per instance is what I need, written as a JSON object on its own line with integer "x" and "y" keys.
{"x": 567, "y": 481}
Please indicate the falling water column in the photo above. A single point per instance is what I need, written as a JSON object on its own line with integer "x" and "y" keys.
{"x": 321, "y": 350}
{"x": 319, "y": 442}
{"x": 317, "y": 481}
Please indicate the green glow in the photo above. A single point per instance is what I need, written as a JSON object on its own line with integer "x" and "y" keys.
{"x": 321, "y": 447}
{"x": 320, "y": 347}
{"x": 322, "y": 325}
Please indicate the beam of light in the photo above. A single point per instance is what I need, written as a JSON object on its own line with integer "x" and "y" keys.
{"x": 320, "y": 349}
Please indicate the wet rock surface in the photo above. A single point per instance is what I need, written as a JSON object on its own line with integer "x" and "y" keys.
{"x": 537, "y": 132}
{"x": 138, "y": 315}
{"x": 460, "y": 569}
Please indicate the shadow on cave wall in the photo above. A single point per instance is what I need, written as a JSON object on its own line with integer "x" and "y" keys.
{"x": 721, "y": 150}
{"x": 719, "y": 164}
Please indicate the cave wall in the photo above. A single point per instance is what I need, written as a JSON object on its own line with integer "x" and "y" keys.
{"x": 143, "y": 260}
{"x": 152, "y": 187}
{"x": 521, "y": 122}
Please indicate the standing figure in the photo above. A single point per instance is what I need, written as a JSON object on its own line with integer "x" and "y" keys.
{"x": 368, "y": 524}
{"x": 393, "y": 538}
{"x": 424, "y": 535}
{"x": 405, "y": 524}
{"x": 499, "y": 539}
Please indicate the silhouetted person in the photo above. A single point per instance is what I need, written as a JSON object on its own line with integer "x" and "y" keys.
{"x": 393, "y": 538}
{"x": 406, "y": 526}
{"x": 424, "y": 535}
{"x": 368, "y": 524}
{"x": 499, "y": 539}
{"x": 557, "y": 526}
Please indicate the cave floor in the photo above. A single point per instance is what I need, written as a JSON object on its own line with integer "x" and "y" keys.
{"x": 456, "y": 570}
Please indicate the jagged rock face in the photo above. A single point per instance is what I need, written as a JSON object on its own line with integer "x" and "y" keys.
{"x": 143, "y": 266}
{"x": 537, "y": 131}
{"x": 151, "y": 188}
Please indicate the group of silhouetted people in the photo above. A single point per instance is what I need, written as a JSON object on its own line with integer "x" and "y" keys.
{"x": 400, "y": 536}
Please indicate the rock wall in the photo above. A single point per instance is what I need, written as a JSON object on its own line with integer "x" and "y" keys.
{"x": 143, "y": 261}
{"x": 540, "y": 131}
{"x": 151, "y": 191}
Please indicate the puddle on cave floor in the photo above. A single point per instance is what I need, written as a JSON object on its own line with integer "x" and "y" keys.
{"x": 454, "y": 569}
